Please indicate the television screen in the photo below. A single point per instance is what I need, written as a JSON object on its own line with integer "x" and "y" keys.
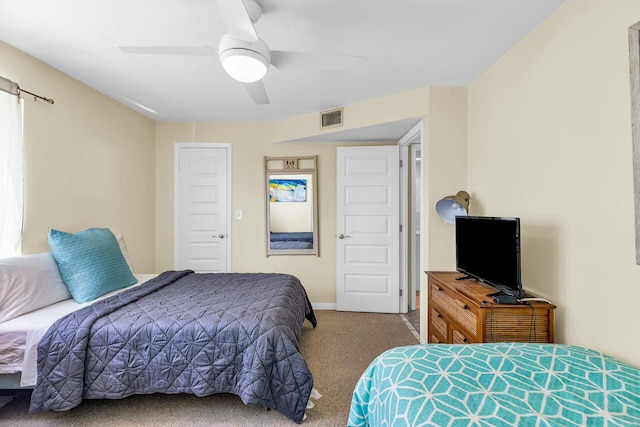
{"x": 488, "y": 249}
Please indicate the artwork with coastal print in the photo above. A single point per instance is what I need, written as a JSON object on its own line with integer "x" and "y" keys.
{"x": 287, "y": 190}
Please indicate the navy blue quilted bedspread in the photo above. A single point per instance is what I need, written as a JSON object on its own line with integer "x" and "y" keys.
{"x": 301, "y": 236}
{"x": 183, "y": 332}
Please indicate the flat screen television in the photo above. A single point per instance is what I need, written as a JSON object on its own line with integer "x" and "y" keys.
{"x": 488, "y": 249}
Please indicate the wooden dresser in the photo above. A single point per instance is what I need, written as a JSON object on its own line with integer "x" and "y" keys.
{"x": 460, "y": 311}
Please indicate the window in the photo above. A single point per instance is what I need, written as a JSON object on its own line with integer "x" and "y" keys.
{"x": 11, "y": 175}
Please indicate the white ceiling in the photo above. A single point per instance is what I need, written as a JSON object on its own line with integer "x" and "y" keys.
{"x": 409, "y": 44}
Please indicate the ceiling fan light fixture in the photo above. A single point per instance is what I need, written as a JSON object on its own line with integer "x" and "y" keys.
{"x": 245, "y": 61}
{"x": 243, "y": 65}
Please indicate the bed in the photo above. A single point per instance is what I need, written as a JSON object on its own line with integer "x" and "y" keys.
{"x": 179, "y": 332}
{"x": 504, "y": 384}
{"x": 19, "y": 338}
{"x": 291, "y": 240}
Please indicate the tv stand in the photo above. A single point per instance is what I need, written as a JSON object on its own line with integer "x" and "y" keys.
{"x": 466, "y": 278}
{"x": 464, "y": 311}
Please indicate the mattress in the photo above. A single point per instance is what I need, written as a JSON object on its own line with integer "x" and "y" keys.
{"x": 19, "y": 337}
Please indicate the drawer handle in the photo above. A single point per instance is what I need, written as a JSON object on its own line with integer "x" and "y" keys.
{"x": 465, "y": 340}
{"x": 462, "y": 304}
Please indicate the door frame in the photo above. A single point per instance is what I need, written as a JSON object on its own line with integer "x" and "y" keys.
{"x": 413, "y": 136}
{"x": 176, "y": 192}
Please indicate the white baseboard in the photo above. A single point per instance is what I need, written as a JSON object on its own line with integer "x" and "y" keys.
{"x": 324, "y": 306}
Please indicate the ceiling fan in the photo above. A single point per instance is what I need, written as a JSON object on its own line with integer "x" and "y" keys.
{"x": 246, "y": 57}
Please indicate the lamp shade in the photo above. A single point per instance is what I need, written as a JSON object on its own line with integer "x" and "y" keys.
{"x": 452, "y": 206}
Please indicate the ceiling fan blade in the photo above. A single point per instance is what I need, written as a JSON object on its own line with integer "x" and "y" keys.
{"x": 236, "y": 18}
{"x": 257, "y": 92}
{"x": 171, "y": 50}
{"x": 315, "y": 61}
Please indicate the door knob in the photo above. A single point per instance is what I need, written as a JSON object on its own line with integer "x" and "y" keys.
{"x": 342, "y": 236}
{"x": 220, "y": 236}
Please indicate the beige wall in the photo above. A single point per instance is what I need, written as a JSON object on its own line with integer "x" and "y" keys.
{"x": 445, "y": 172}
{"x": 250, "y": 143}
{"x": 89, "y": 161}
{"x": 550, "y": 142}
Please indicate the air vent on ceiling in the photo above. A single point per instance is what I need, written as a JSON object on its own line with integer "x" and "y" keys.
{"x": 329, "y": 119}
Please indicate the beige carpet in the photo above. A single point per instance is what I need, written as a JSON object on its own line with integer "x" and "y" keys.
{"x": 337, "y": 352}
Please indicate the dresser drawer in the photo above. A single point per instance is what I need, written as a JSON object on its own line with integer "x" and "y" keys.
{"x": 455, "y": 307}
{"x": 465, "y": 317}
{"x": 459, "y": 338}
{"x": 438, "y": 324}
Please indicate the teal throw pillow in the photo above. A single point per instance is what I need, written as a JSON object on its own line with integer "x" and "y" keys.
{"x": 90, "y": 262}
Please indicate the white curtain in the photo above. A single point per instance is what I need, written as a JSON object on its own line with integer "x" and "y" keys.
{"x": 11, "y": 175}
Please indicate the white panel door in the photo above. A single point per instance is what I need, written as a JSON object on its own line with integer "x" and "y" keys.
{"x": 368, "y": 229}
{"x": 201, "y": 209}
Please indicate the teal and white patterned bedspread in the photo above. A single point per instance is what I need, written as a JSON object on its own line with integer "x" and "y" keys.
{"x": 505, "y": 384}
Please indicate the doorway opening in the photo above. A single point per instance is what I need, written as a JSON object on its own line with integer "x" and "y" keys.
{"x": 411, "y": 188}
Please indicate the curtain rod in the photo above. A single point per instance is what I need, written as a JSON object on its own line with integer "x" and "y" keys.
{"x": 13, "y": 88}
{"x": 49, "y": 100}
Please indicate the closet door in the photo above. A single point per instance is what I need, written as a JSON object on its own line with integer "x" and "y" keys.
{"x": 202, "y": 192}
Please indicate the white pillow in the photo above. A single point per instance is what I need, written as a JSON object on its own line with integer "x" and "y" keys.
{"x": 28, "y": 283}
{"x": 123, "y": 249}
